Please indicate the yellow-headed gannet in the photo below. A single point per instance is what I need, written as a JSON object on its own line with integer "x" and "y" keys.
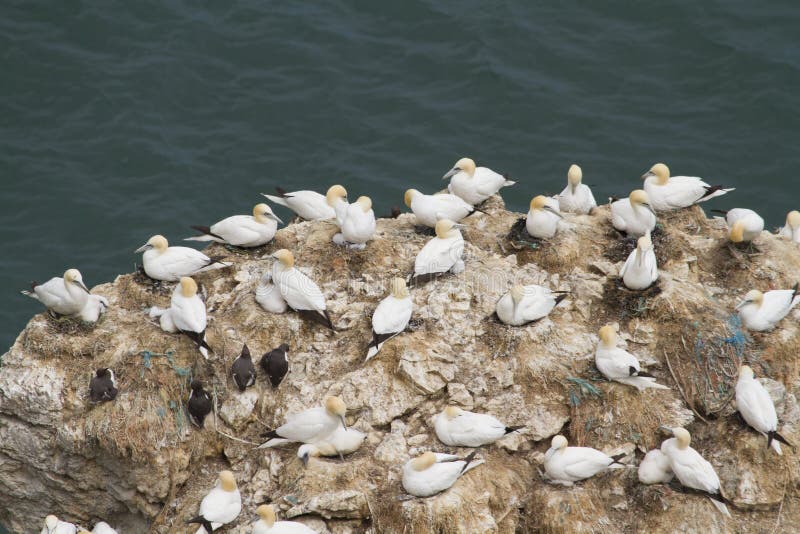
{"x": 428, "y": 209}
{"x": 267, "y": 523}
{"x": 391, "y": 316}
{"x": 633, "y": 215}
{"x": 619, "y": 365}
{"x": 220, "y": 506}
{"x": 357, "y": 225}
{"x": 163, "y": 262}
{"x": 308, "y": 205}
{"x": 576, "y": 197}
{"x": 565, "y": 465}
{"x": 744, "y": 225}
{"x": 342, "y": 441}
{"x": 186, "y": 314}
{"x": 655, "y": 468}
{"x": 309, "y": 426}
{"x": 441, "y": 254}
{"x": 674, "y": 192}
{"x": 525, "y": 304}
{"x": 641, "y": 268}
{"x": 763, "y": 311}
{"x": 792, "y": 228}
{"x": 460, "y": 428}
{"x": 336, "y": 197}
{"x": 242, "y": 230}
{"x": 432, "y": 473}
{"x": 103, "y": 386}
{"x": 298, "y": 290}
{"x": 544, "y": 218}
{"x": 474, "y": 184}
{"x": 757, "y": 408}
{"x": 63, "y": 296}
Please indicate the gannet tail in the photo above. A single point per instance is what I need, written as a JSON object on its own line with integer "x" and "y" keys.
{"x": 642, "y": 382}
{"x": 208, "y": 235}
{"x": 714, "y": 191}
{"x": 508, "y": 182}
{"x": 202, "y": 521}
{"x": 377, "y": 343}
{"x": 773, "y": 438}
{"x": 720, "y": 506}
{"x": 279, "y": 199}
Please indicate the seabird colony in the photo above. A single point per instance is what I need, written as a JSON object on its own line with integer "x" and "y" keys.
{"x": 323, "y": 431}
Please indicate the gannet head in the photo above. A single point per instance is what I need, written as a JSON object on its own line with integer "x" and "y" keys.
{"x": 73, "y": 276}
{"x": 409, "y": 196}
{"x": 446, "y": 228}
{"x": 451, "y": 412}
{"x": 559, "y": 443}
{"x": 267, "y": 514}
{"x": 539, "y": 202}
{"x": 285, "y": 257}
{"x": 227, "y": 481}
{"x": 746, "y": 372}
{"x": 334, "y": 194}
{"x": 753, "y": 296}
{"x": 188, "y": 287}
{"x": 157, "y": 242}
{"x": 365, "y": 203}
{"x": 682, "y": 436}
{"x": 336, "y": 407}
{"x": 423, "y": 461}
{"x": 398, "y": 288}
{"x": 51, "y": 522}
{"x": 793, "y": 219}
{"x": 306, "y": 451}
{"x": 464, "y": 164}
{"x": 660, "y": 171}
{"x": 574, "y": 176}
{"x": 737, "y": 231}
{"x": 608, "y": 336}
{"x": 517, "y": 292}
{"x": 644, "y": 243}
{"x": 263, "y": 213}
{"x": 639, "y": 198}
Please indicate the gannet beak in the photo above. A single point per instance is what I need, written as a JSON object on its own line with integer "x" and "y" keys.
{"x": 459, "y": 225}
{"x": 82, "y": 285}
{"x": 304, "y": 458}
{"x": 573, "y": 188}
{"x": 344, "y": 423}
{"x": 451, "y": 172}
{"x": 274, "y": 217}
{"x": 144, "y": 247}
{"x": 649, "y": 207}
{"x": 554, "y": 212}
{"x": 647, "y": 175}
{"x": 666, "y": 429}
{"x": 742, "y": 303}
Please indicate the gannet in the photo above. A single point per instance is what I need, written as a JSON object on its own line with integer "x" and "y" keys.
{"x": 441, "y": 254}
{"x": 199, "y": 405}
{"x": 474, "y": 184}
{"x": 220, "y": 506}
{"x": 358, "y": 224}
{"x": 762, "y": 311}
{"x": 96, "y": 305}
{"x": 243, "y": 370}
{"x": 62, "y": 296}
{"x": 297, "y": 289}
{"x": 52, "y": 525}
{"x": 268, "y": 296}
{"x": 619, "y": 365}
{"x": 692, "y": 470}
{"x": 525, "y": 304}
{"x": 431, "y": 473}
{"x": 757, "y": 408}
{"x": 340, "y": 442}
{"x": 275, "y": 364}
{"x": 187, "y": 314}
{"x": 268, "y": 525}
{"x": 308, "y": 205}
{"x": 103, "y": 386}
{"x": 542, "y": 221}
{"x": 655, "y": 468}
{"x": 163, "y": 262}
{"x": 641, "y": 268}
{"x": 670, "y": 193}
{"x": 565, "y": 465}
{"x": 744, "y": 225}
{"x": 309, "y": 426}
{"x": 336, "y": 197}
{"x": 792, "y": 227}
{"x": 103, "y": 528}
{"x": 633, "y": 215}
{"x": 428, "y": 209}
{"x": 460, "y": 428}
{"x": 391, "y": 316}
{"x": 242, "y": 230}
{"x": 576, "y": 197}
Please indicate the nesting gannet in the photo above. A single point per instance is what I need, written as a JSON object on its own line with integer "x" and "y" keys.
{"x": 542, "y": 221}
{"x": 309, "y": 426}
{"x": 62, "y": 296}
{"x": 633, "y": 215}
{"x": 565, "y": 465}
{"x": 243, "y": 370}
{"x": 619, "y": 365}
{"x": 199, "y": 405}
{"x": 674, "y": 192}
{"x": 576, "y": 197}
{"x": 391, "y": 316}
{"x": 474, "y": 184}
{"x": 96, "y": 305}
{"x": 268, "y": 296}
{"x": 757, "y": 408}
{"x": 308, "y": 205}
{"x": 692, "y": 470}
{"x": 460, "y": 428}
{"x": 441, "y": 254}
{"x": 762, "y": 311}
{"x": 336, "y": 197}
{"x": 340, "y": 442}
{"x": 242, "y": 230}
{"x": 792, "y": 227}
{"x": 744, "y": 225}
{"x": 163, "y": 262}
{"x": 187, "y": 314}
{"x": 655, "y": 468}
{"x": 525, "y": 304}
{"x": 267, "y": 523}
{"x": 275, "y": 364}
{"x": 220, "y": 506}
{"x": 357, "y": 225}
{"x": 297, "y": 289}
{"x": 432, "y": 473}
{"x": 52, "y": 525}
{"x": 103, "y": 386}
{"x": 103, "y": 528}
{"x": 641, "y": 268}
{"x": 428, "y": 209}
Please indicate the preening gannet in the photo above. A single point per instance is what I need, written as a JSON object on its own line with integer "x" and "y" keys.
{"x": 428, "y": 209}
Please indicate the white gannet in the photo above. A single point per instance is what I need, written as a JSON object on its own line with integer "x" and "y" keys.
{"x": 565, "y": 465}
{"x": 308, "y": 205}
{"x": 267, "y": 523}
{"x": 199, "y": 405}
{"x": 674, "y": 192}
{"x": 391, "y": 316}
{"x": 187, "y": 314}
{"x": 103, "y": 386}
{"x": 52, "y": 525}
{"x": 641, "y": 268}
{"x": 276, "y": 364}
{"x": 792, "y": 228}
{"x": 633, "y": 215}
{"x": 542, "y": 221}
{"x": 692, "y": 470}
{"x": 576, "y": 197}
{"x": 163, "y": 262}
{"x": 762, "y": 311}
{"x": 757, "y": 408}
{"x": 340, "y": 442}
{"x": 268, "y": 296}
{"x": 242, "y": 230}
{"x": 428, "y": 209}
{"x": 96, "y": 305}
{"x": 744, "y": 225}
{"x": 358, "y": 224}
{"x": 298, "y": 290}
{"x": 474, "y": 184}
{"x": 336, "y": 197}
{"x": 103, "y": 528}
{"x": 655, "y": 468}
{"x": 62, "y": 296}
{"x": 432, "y": 473}
{"x": 460, "y": 428}
{"x": 309, "y": 426}
{"x": 619, "y": 365}
{"x": 441, "y": 254}
{"x": 243, "y": 371}
{"x": 525, "y": 304}
{"x": 220, "y": 506}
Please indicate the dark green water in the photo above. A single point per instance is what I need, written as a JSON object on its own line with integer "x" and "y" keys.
{"x": 119, "y": 120}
